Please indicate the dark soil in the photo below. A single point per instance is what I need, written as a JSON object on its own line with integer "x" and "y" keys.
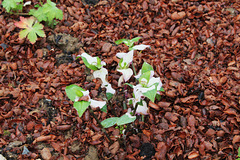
{"x": 195, "y": 49}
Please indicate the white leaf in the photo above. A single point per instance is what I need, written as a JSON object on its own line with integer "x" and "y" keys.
{"x": 142, "y": 109}
{"x": 120, "y": 55}
{"x": 127, "y": 73}
{"x": 154, "y": 80}
{"x": 140, "y": 47}
{"x": 109, "y": 89}
{"x": 95, "y": 104}
{"x": 27, "y": 3}
{"x": 91, "y": 60}
{"x": 127, "y": 59}
{"x": 102, "y": 73}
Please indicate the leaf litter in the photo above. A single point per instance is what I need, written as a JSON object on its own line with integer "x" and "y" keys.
{"x": 194, "y": 49}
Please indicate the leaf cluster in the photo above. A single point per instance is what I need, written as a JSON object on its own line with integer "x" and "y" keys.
{"x": 12, "y": 5}
{"x": 47, "y": 12}
{"x": 128, "y": 42}
{"x": 32, "y": 28}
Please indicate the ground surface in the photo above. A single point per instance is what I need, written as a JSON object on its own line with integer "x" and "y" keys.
{"x": 194, "y": 49}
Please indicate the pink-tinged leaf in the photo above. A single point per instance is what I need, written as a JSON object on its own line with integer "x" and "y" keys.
{"x": 31, "y": 27}
{"x": 25, "y": 22}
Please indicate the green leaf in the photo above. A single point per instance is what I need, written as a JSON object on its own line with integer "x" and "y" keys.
{"x": 125, "y": 119}
{"x": 162, "y": 89}
{"x": 146, "y": 67}
{"x": 81, "y": 107}
{"x": 104, "y": 108}
{"x": 48, "y": 12}
{"x": 109, "y": 122}
{"x": 129, "y": 84}
{"x": 38, "y": 14}
{"x": 146, "y": 76}
{"x": 14, "y": 5}
{"x": 120, "y": 41}
{"x": 139, "y": 103}
{"x": 151, "y": 94}
{"x": 135, "y": 39}
{"x": 239, "y": 152}
{"x": 99, "y": 65}
{"x": 130, "y": 101}
{"x": 158, "y": 97}
{"x": 90, "y": 66}
{"x": 31, "y": 27}
{"x": 73, "y": 91}
{"x": 37, "y": 6}
{"x": 109, "y": 96}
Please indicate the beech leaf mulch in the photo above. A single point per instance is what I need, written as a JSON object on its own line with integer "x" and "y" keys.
{"x": 195, "y": 49}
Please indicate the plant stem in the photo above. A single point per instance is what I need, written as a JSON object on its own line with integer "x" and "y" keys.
{"x": 135, "y": 109}
{"x": 21, "y": 14}
{"x": 99, "y": 123}
{"x": 125, "y": 97}
{"x": 134, "y": 70}
{"x": 112, "y": 109}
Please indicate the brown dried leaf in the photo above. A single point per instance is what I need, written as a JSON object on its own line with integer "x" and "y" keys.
{"x": 236, "y": 139}
{"x": 161, "y": 151}
{"x": 171, "y": 116}
{"x": 114, "y": 147}
{"x": 178, "y": 15}
{"x": 189, "y": 99}
{"x": 193, "y": 154}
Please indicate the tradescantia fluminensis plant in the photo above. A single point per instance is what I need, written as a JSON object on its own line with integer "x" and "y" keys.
{"x": 148, "y": 86}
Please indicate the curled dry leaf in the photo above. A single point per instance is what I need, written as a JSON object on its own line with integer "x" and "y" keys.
{"x": 236, "y": 139}
{"x": 189, "y": 99}
{"x": 171, "y": 116}
{"x": 178, "y": 15}
{"x": 63, "y": 127}
{"x": 44, "y": 138}
{"x": 161, "y": 151}
{"x": 164, "y": 104}
{"x": 153, "y": 105}
{"x": 191, "y": 121}
{"x": 193, "y": 154}
{"x": 114, "y": 147}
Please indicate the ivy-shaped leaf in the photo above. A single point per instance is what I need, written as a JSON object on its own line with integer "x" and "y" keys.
{"x": 81, "y": 107}
{"x": 12, "y": 5}
{"x": 31, "y": 27}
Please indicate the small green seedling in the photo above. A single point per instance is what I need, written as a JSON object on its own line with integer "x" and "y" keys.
{"x": 47, "y": 12}
{"x": 12, "y": 5}
{"x": 148, "y": 87}
{"x": 31, "y": 27}
{"x": 119, "y": 121}
{"x": 128, "y": 42}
